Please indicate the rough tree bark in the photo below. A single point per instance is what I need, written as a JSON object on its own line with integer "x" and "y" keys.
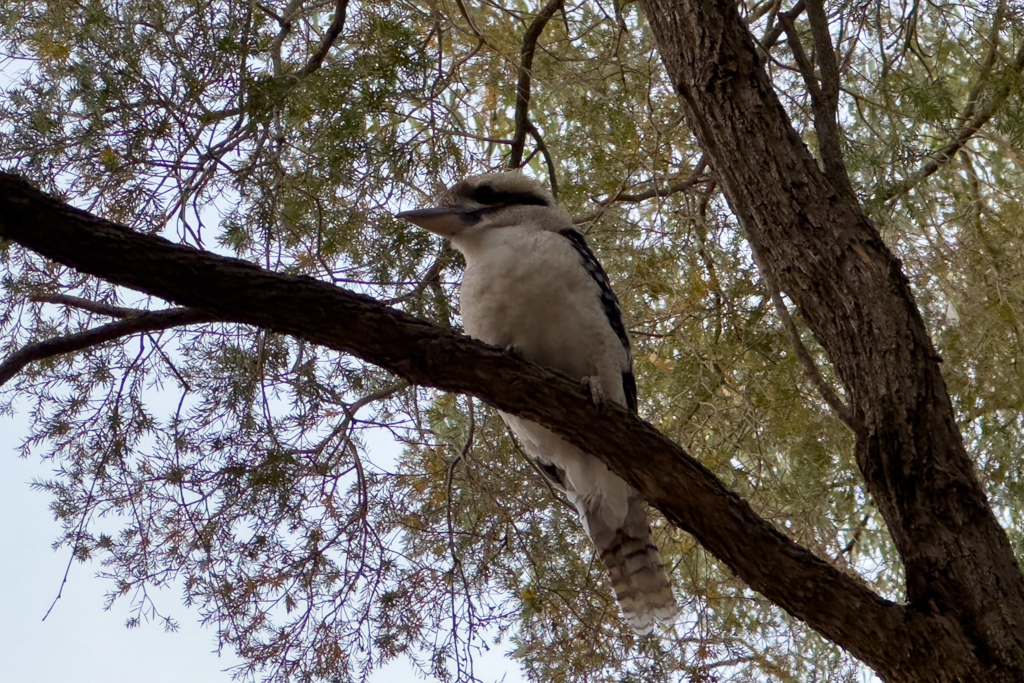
{"x": 964, "y": 588}
{"x": 816, "y": 242}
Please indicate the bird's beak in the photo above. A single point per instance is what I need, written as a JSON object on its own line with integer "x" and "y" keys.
{"x": 443, "y": 221}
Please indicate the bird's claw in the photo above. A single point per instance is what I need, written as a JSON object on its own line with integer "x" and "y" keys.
{"x": 593, "y": 385}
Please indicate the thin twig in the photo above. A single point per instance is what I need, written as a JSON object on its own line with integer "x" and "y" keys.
{"x": 970, "y": 124}
{"x": 843, "y": 411}
{"x": 810, "y": 367}
{"x": 456, "y": 561}
{"x": 430, "y": 277}
{"x": 450, "y": 476}
{"x": 351, "y": 409}
{"x": 85, "y": 305}
{"x": 92, "y": 487}
{"x": 655, "y": 191}
{"x": 552, "y": 178}
{"x": 856, "y": 536}
{"x": 695, "y": 178}
{"x": 149, "y": 321}
{"x": 522, "y": 116}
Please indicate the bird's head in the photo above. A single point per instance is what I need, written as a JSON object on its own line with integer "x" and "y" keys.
{"x": 492, "y": 200}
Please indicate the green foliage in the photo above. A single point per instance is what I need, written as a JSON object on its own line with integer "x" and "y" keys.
{"x": 239, "y": 460}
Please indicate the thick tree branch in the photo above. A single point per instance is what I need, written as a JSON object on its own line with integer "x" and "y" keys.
{"x": 147, "y": 321}
{"x": 522, "y": 118}
{"x": 687, "y": 493}
{"x": 817, "y": 244}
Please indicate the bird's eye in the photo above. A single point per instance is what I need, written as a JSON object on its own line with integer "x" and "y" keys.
{"x": 485, "y": 194}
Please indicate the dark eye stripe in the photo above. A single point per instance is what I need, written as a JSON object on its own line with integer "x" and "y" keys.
{"x": 485, "y": 194}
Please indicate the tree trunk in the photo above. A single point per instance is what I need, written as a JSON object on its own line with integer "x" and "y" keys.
{"x": 815, "y": 241}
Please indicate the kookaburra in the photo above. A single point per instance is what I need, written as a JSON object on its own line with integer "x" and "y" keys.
{"x": 533, "y": 285}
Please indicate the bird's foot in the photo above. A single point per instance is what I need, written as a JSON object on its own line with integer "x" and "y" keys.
{"x": 593, "y": 385}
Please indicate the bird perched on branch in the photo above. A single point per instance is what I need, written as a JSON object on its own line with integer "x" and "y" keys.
{"x": 534, "y": 286}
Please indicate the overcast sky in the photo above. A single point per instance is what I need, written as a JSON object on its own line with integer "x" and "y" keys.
{"x": 80, "y": 641}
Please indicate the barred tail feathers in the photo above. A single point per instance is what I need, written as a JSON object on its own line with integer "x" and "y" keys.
{"x": 614, "y": 516}
{"x": 640, "y": 581}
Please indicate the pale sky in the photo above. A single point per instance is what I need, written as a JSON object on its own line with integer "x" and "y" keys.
{"x": 81, "y": 642}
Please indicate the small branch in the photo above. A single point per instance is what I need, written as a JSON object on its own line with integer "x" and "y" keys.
{"x": 696, "y": 178}
{"x": 843, "y": 412}
{"x": 333, "y": 31}
{"x": 469, "y": 20}
{"x": 771, "y": 37}
{"x": 552, "y": 178}
{"x": 810, "y": 368}
{"x": 526, "y": 53}
{"x": 430, "y": 277}
{"x": 269, "y": 12}
{"x": 970, "y": 124}
{"x": 825, "y": 55}
{"x": 285, "y": 22}
{"x": 824, "y": 98}
{"x": 85, "y": 305}
{"x": 351, "y": 409}
{"x": 826, "y": 111}
{"x": 148, "y": 321}
{"x": 678, "y": 186}
{"x": 853, "y": 541}
{"x": 990, "y": 61}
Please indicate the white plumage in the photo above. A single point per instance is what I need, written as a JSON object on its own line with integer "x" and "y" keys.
{"x": 531, "y": 283}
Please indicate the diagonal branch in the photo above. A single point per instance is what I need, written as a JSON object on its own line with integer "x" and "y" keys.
{"x": 543, "y": 149}
{"x": 973, "y": 118}
{"x": 772, "y": 35}
{"x": 826, "y": 111}
{"x": 696, "y": 177}
{"x": 333, "y": 31}
{"x": 431, "y": 277}
{"x": 824, "y": 95}
{"x": 85, "y": 305}
{"x": 526, "y": 53}
{"x": 810, "y": 367}
{"x": 285, "y": 21}
{"x": 148, "y": 321}
{"x": 688, "y": 494}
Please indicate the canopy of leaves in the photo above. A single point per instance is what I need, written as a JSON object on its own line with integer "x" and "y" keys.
{"x": 239, "y": 463}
